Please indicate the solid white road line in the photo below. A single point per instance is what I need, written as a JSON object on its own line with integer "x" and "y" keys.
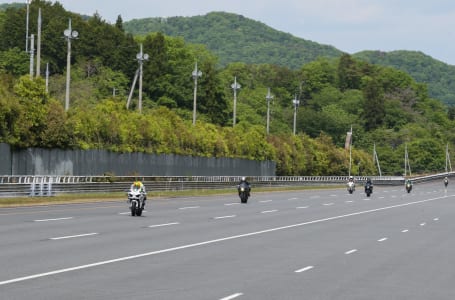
{"x": 73, "y": 236}
{"x": 233, "y": 237}
{"x": 382, "y": 240}
{"x": 269, "y": 211}
{"x": 56, "y": 219}
{"x": 304, "y": 269}
{"x": 436, "y": 219}
{"x": 189, "y": 207}
{"x": 162, "y": 225}
{"x": 225, "y": 217}
{"x": 233, "y": 203}
{"x": 349, "y": 201}
{"x": 233, "y": 296}
{"x": 300, "y": 207}
{"x": 350, "y": 251}
{"x": 265, "y": 201}
{"x": 328, "y": 204}
{"x": 405, "y": 230}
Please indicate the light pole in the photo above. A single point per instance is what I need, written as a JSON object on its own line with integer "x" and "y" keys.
{"x": 235, "y": 86}
{"x": 141, "y": 56}
{"x": 269, "y": 98}
{"x": 26, "y": 25}
{"x": 196, "y": 73}
{"x": 32, "y": 52}
{"x": 69, "y": 35}
{"x": 296, "y": 103}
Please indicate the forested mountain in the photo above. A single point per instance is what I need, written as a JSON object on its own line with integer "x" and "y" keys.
{"x": 385, "y": 106}
{"x": 234, "y": 38}
{"x": 439, "y": 76}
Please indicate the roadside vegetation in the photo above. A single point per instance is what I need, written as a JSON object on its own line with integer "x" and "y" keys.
{"x": 386, "y": 107}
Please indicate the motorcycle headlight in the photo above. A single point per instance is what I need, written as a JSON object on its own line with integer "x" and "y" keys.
{"x": 242, "y": 189}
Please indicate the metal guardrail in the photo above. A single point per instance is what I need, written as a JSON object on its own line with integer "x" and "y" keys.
{"x": 13, "y": 186}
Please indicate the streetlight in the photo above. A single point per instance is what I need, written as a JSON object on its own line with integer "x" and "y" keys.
{"x": 235, "y": 86}
{"x": 268, "y": 97}
{"x": 141, "y": 56}
{"x": 26, "y": 25}
{"x": 69, "y": 35}
{"x": 196, "y": 73}
{"x": 296, "y": 103}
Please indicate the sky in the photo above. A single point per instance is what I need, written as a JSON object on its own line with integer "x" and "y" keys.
{"x": 348, "y": 25}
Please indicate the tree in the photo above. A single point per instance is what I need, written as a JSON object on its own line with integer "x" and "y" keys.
{"x": 373, "y": 108}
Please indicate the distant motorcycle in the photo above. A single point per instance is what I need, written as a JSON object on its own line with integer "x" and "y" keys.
{"x": 244, "y": 192}
{"x": 408, "y": 187}
{"x": 368, "y": 189}
{"x": 136, "y": 199}
{"x": 446, "y": 182}
{"x": 351, "y": 187}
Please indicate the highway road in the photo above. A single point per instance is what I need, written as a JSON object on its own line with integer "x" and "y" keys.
{"x": 318, "y": 244}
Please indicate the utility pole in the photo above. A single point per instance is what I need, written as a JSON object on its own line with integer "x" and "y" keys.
{"x": 235, "y": 86}
{"x": 196, "y": 73}
{"x": 38, "y": 46}
{"x": 32, "y": 54}
{"x": 268, "y": 98}
{"x": 69, "y": 34}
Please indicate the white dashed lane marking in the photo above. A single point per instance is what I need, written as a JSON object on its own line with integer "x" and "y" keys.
{"x": 189, "y": 207}
{"x": 269, "y": 211}
{"x": 73, "y": 236}
{"x": 56, "y": 219}
{"x": 304, "y": 269}
{"x": 225, "y": 217}
{"x": 162, "y": 225}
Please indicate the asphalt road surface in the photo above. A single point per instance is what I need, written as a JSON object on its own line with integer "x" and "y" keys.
{"x": 320, "y": 244}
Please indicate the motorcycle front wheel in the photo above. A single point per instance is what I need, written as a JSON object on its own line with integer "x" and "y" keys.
{"x": 133, "y": 208}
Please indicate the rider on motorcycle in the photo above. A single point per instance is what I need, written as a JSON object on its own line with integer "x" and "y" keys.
{"x": 244, "y": 181}
{"x": 137, "y": 185}
{"x": 446, "y": 181}
{"x": 368, "y": 184}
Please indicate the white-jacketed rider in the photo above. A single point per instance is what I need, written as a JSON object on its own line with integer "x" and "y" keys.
{"x": 351, "y": 183}
{"x": 137, "y": 185}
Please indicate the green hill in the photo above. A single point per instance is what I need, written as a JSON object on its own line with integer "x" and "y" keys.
{"x": 423, "y": 68}
{"x": 235, "y": 38}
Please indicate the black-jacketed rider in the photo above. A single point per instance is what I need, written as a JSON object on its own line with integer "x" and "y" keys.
{"x": 368, "y": 184}
{"x": 244, "y": 181}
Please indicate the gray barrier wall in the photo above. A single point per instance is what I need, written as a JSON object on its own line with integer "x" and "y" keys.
{"x": 37, "y": 161}
{"x": 5, "y": 159}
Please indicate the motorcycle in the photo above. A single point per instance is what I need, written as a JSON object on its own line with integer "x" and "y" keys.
{"x": 244, "y": 192}
{"x": 351, "y": 187}
{"x": 446, "y": 182}
{"x": 368, "y": 189}
{"x": 408, "y": 187}
{"x": 136, "y": 198}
